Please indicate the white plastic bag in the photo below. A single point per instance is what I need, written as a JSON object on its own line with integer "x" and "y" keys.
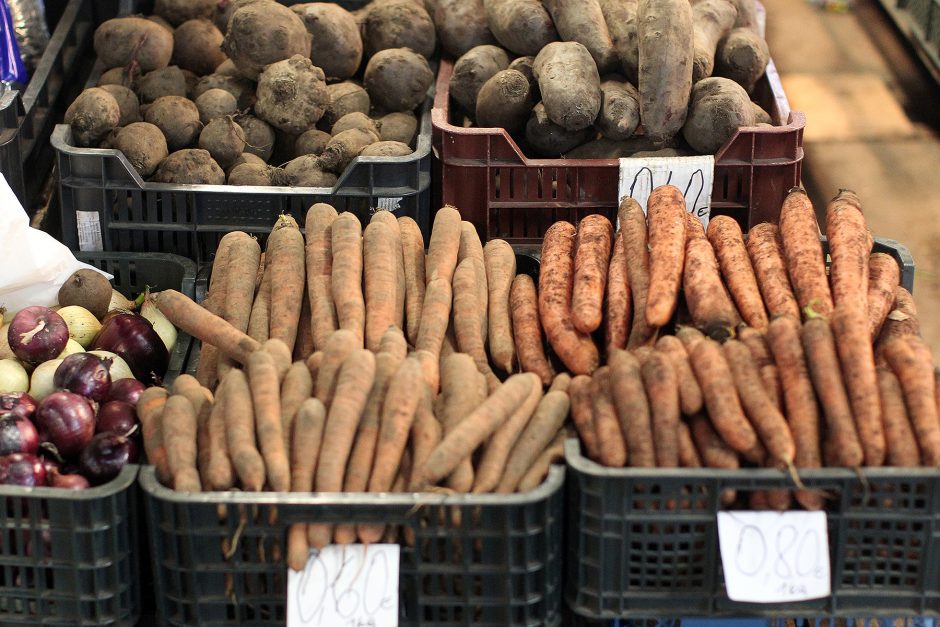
{"x": 33, "y": 265}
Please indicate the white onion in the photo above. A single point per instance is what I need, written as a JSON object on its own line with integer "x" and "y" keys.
{"x": 82, "y": 324}
{"x": 40, "y": 384}
{"x": 5, "y": 351}
{"x": 119, "y": 368}
{"x": 119, "y": 301}
{"x": 161, "y": 323}
{"x": 13, "y": 377}
{"x": 71, "y": 347}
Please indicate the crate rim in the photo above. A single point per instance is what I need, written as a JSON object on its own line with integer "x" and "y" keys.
{"x": 123, "y": 481}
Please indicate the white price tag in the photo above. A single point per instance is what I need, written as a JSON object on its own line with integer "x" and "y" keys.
{"x": 693, "y": 175}
{"x": 775, "y": 557}
{"x": 355, "y": 585}
{"x": 89, "y": 230}
{"x": 389, "y": 204}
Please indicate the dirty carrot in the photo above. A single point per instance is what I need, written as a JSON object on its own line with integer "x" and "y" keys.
{"x": 305, "y": 451}
{"x": 666, "y": 213}
{"x": 346, "y": 278}
{"x": 393, "y": 342}
{"x": 496, "y": 451}
{"x": 295, "y": 389}
{"x": 179, "y": 433}
{"x": 460, "y": 397}
{"x": 500, "y": 265}
{"x": 240, "y": 432}
{"x": 150, "y": 412}
{"x": 319, "y": 257}
{"x": 398, "y": 415}
{"x": 553, "y": 453}
{"x": 900, "y": 440}
{"x": 726, "y": 239}
{"x": 338, "y": 347}
{"x": 240, "y": 287}
{"x": 435, "y": 315}
{"x": 633, "y": 232}
{"x": 619, "y": 306}
{"x": 901, "y": 321}
{"x": 388, "y": 218}
{"x": 548, "y": 418}
{"x": 705, "y": 295}
{"x": 849, "y": 249}
{"x": 690, "y": 394}
{"x": 527, "y": 330}
{"x": 633, "y": 408}
{"x": 612, "y": 448}
{"x": 471, "y": 246}
{"x": 766, "y": 252}
{"x": 591, "y": 263}
{"x": 265, "y": 395}
{"x": 303, "y": 347}
{"x": 286, "y": 263}
{"x": 662, "y": 390}
{"x": 444, "y": 245}
{"x": 412, "y": 248}
{"x": 205, "y": 326}
{"x": 380, "y": 251}
{"x": 688, "y": 455}
{"x": 219, "y": 473}
{"x": 916, "y": 377}
{"x": 884, "y": 274}
{"x": 802, "y": 251}
{"x": 259, "y": 322}
{"x": 207, "y": 370}
{"x": 582, "y": 413}
{"x": 467, "y": 315}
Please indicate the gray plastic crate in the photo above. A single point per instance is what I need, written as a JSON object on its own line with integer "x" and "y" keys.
{"x": 27, "y": 118}
{"x": 501, "y": 566}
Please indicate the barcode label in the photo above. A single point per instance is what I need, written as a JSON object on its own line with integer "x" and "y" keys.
{"x": 89, "y": 231}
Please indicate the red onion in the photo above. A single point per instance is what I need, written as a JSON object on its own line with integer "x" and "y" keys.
{"x": 50, "y": 465}
{"x": 37, "y": 334}
{"x": 67, "y": 420}
{"x": 134, "y": 339}
{"x": 85, "y": 374}
{"x": 127, "y": 390}
{"x": 20, "y": 403}
{"x": 105, "y": 456}
{"x": 69, "y": 482}
{"x": 22, "y": 469}
{"x": 17, "y": 435}
{"x": 116, "y": 416}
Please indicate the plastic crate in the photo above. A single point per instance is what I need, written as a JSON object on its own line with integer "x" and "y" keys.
{"x": 919, "y": 22}
{"x": 502, "y": 566}
{"x": 27, "y": 118}
{"x": 507, "y": 195}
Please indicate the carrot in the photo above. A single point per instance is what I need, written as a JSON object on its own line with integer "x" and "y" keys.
{"x": 386, "y": 217}
{"x": 806, "y": 264}
{"x": 443, "y": 245}
{"x": 849, "y": 249}
{"x": 259, "y": 320}
{"x": 554, "y": 452}
{"x": 305, "y": 451}
{"x": 319, "y": 257}
{"x": 527, "y": 330}
{"x": 902, "y": 321}
{"x": 435, "y": 315}
{"x": 412, "y": 248}
{"x": 281, "y": 356}
{"x": 726, "y": 239}
{"x": 766, "y": 252}
{"x": 398, "y": 414}
{"x": 313, "y": 365}
{"x": 496, "y": 452}
{"x": 219, "y": 473}
{"x": 823, "y": 361}
{"x": 346, "y": 279}
{"x": 179, "y": 431}
{"x": 204, "y": 326}
{"x": 901, "y": 443}
{"x": 633, "y": 409}
{"x": 500, "y": 263}
{"x": 575, "y": 349}
{"x": 548, "y": 419}
{"x": 770, "y": 379}
{"x": 853, "y": 341}
{"x": 689, "y": 336}
{"x": 666, "y": 213}
{"x": 802, "y": 410}
{"x": 380, "y": 251}
{"x": 884, "y": 274}
{"x": 662, "y": 389}
{"x": 705, "y": 296}
{"x": 460, "y": 397}
{"x": 187, "y": 385}
{"x": 240, "y": 432}
{"x": 713, "y": 450}
{"x": 473, "y": 430}
{"x": 758, "y": 344}
{"x": 610, "y": 440}
{"x": 296, "y": 388}
{"x": 633, "y": 232}
{"x": 779, "y": 500}
{"x": 240, "y": 286}
{"x": 338, "y": 347}
{"x": 150, "y": 414}
{"x": 688, "y": 455}
{"x": 721, "y": 399}
{"x": 591, "y": 263}
{"x": 393, "y": 342}
{"x": 303, "y": 347}
{"x": 426, "y": 431}
{"x": 618, "y": 308}
{"x": 286, "y": 265}
{"x": 467, "y": 315}
{"x": 916, "y": 377}
{"x": 582, "y": 414}
{"x": 470, "y": 246}
{"x": 690, "y": 394}
{"x": 265, "y": 394}
{"x": 207, "y": 369}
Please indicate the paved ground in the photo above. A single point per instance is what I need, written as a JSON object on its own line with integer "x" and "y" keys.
{"x": 873, "y": 117}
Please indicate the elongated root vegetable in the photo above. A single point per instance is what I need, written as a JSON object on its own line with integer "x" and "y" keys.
{"x": 917, "y": 380}
{"x": 500, "y": 262}
{"x": 555, "y": 452}
{"x": 620, "y": 16}
{"x": 460, "y": 397}
{"x": 726, "y": 239}
{"x": 582, "y": 414}
{"x": 618, "y": 308}
{"x": 471, "y": 246}
{"x": 296, "y": 387}
{"x": 527, "y": 330}
{"x": 412, "y": 247}
{"x": 667, "y": 222}
{"x": 766, "y": 252}
{"x": 240, "y": 431}
{"x": 582, "y": 21}
{"x": 204, "y": 326}
{"x": 705, "y": 296}
{"x": 305, "y": 452}
{"x": 633, "y": 231}
{"x": 435, "y": 315}
{"x": 662, "y": 389}
{"x": 467, "y": 317}
{"x": 901, "y": 321}
{"x": 444, "y": 245}
{"x": 207, "y": 370}
{"x": 633, "y": 409}
{"x": 265, "y": 393}
{"x": 575, "y": 349}
{"x": 569, "y": 84}
{"x": 286, "y": 263}
{"x": 380, "y": 252}
{"x": 901, "y": 443}
{"x": 806, "y": 265}
{"x": 883, "y": 278}
{"x": 666, "y": 53}
{"x": 712, "y": 20}
{"x": 346, "y": 277}
{"x": 388, "y": 218}
{"x": 319, "y": 257}
{"x": 742, "y": 56}
{"x": 338, "y": 347}
{"x": 612, "y": 448}
{"x": 690, "y": 394}
{"x": 496, "y": 451}
{"x": 849, "y": 249}
{"x": 591, "y": 263}
{"x": 178, "y": 424}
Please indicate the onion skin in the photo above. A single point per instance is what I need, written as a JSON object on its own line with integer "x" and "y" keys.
{"x": 13, "y": 376}
{"x": 127, "y": 390}
{"x": 116, "y": 417}
{"x": 84, "y": 374}
{"x": 22, "y": 469}
{"x": 20, "y": 403}
{"x": 37, "y": 334}
{"x": 133, "y": 338}
{"x": 82, "y": 324}
{"x": 17, "y": 435}
{"x": 105, "y": 456}
{"x": 69, "y": 482}
{"x": 66, "y": 420}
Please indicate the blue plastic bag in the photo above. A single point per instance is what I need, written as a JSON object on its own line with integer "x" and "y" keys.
{"x": 12, "y": 70}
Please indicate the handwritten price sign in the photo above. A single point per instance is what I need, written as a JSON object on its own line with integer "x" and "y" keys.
{"x": 774, "y": 557}
{"x": 345, "y": 586}
{"x": 693, "y": 175}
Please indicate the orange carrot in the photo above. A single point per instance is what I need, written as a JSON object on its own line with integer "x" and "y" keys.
{"x": 806, "y": 265}
{"x": 582, "y": 414}
{"x": 435, "y": 315}
{"x": 553, "y": 453}
{"x": 459, "y": 398}
{"x": 766, "y": 252}
{"x": 219, "y": 472}
{"x": 689, "y": 336}
{"x": 591, "y": 262}
{"x": 295, "y": 389}
{"x": 467, "y": 316}
{"x": 662, "y": 389}
{"x": 470, "y": 246}
{"x": 240, "y": 432}
{"x": 726, "y": 239}
{"x": 757, "y": 342}
{"x": 319, "y": 255}
{"x": 398, "y": 414}
{"x": 705, "y": 296}
{"x": 346, "y": 279}
{"x": 443, "y": 245}
{"x": 203, "y": 325}
{"x": 265, "y": 394}
{"x": 380, "y": 252}
{"x": 633, "y": 408}
{"x": 610, "y": 440}
{"x": 500, "y": 266}
{"x": 666, "y": 212}
{"x": 388, "y": 218}
{"x": 903, "y": 450}
{"x": 883, "y": 278}
{"x": 393, "y": 342}
{"x": 690, "y": 394}
{"x": 287, "y": 267}
{"x": 688, "y": 455}
{"x": 527, "y": 330}
{"x": 496, "y": 451}
{"x": 259, "y": 322}
{"x": 281, "y": 356}
{"x": 917, "y": 381}
{"x": 849, "y": 249}
{"x": 338, "y": 347}
{"x": 714, "y": 451}
{"x": 902, "y": 321}
{"x": 179, "y": 432}
{"x": 207, "y": 369}
{"x": 240, "y": 287}
{"x": 305, "y": 451}
{"x": 619, "y": 306}
{"x": 412, "y": 248}
{"x": 150, "y": 413}
{"x": 426, "y": 430}
{"x": 633, "y": 232}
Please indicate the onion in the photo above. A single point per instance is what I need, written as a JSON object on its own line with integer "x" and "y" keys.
{"x": 22, "y": 469}
{"x": 13, "y": 377}
{"x": 37, "y": 334}
{"x": 67, "y": 420}
{"x": 82, "y": 324}
{"x": 104, "y": 457}
{"x": 17, "y": 435}
{"x": 161, "y": 324}
{"x": 84, "y": 374}
{"x": 117, "y": 417}
{"x": 69, "y": 482}
{"x": 127, "y": 390}
{"x": 118, "y": 369}
{"x": 120, "y": 302}
{"x": 71, "y": 348}
{"x": 133, "y": 338}
{"x": 20, "y": 403}
{"x": 40, "y": 383}
{"x": 5, "y": 351}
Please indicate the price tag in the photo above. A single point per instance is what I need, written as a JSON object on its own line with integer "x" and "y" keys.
{"x": 389, "y": 204}
{"x": 775, "y": 557}
{"x": 89, "y": 230}
{"x": 351, "y": 585}
{"x": 693, "y": 175}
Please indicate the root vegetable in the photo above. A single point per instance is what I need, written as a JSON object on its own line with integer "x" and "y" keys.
{"x": 766, "y": 252}
{"x": 337, "y": 44}
{"x": 742, "y": 56}
{"x": 726, "y": 239}
{"x": 500, "y": 264}
{"x": 799, "y": 235}
{"x": 505, "y": 101}
{"x": 197, "y": 46}
{"x": 705, "y": 295}
{"x": 127, "y": 103}
{"x": 591, "y": 264}
{"x": 121, "y": 41}
{"x": 718, "y": 108}
{"x": 292, "y": 94}
{"x": 224, "y": 140}
{"x": 144, "y": 146}
{"x": 92, "y": 115}
{"x": 522, "y": 26}
{"x": 583, "y": 21}
{"x": 620, "y": 110}
{"x": 398, "y": 24}
{"x": 612, "y": 448}
{"x": 712, "y": 20}
{"x": 398, "y": 79}
{"x": 260, "y": 34}
{"x": 461, "y": 25}
{"x": 619, "y": 307}
{"x": 667, "y": 221}
{"x": 178, "y": 118}
{"x": 902, "y": 448}
{"x": 569, "y": 84}
{"x": 633, "y": 231}
{"x": 883, "y": 278}
{"x": 527, "y": 330}
{"x": 344, "y": 98}
{"x": 549, "y": 139}
{"x": 190, "y": 167}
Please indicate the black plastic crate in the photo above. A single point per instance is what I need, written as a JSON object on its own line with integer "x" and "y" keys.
{"x": 501, "y": 566}
{"x": 27, "y": 118}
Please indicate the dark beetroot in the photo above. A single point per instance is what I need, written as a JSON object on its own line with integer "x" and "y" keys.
{"x": 105, "y": 456}
{"x": 20, "y": 403}
{"x": 17, "y": 435}
{"x": 84, "y": 374}
{"x": 66, "y": 420}
{"x": 116, "y": 416}
{"x": 22, "y": 469}
{"x": 127, "y": 390}
{"x": 37, "y": 334}
{"x": 133, "y": 338}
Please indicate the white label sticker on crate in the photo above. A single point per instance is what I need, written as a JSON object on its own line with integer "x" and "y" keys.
{"x": 89, "y": 231}
{"x": 774, "y": 557}
{"x": 693, "y": 175}
{"x": 389, "y": 204}
{"x": 353, "y": 585}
